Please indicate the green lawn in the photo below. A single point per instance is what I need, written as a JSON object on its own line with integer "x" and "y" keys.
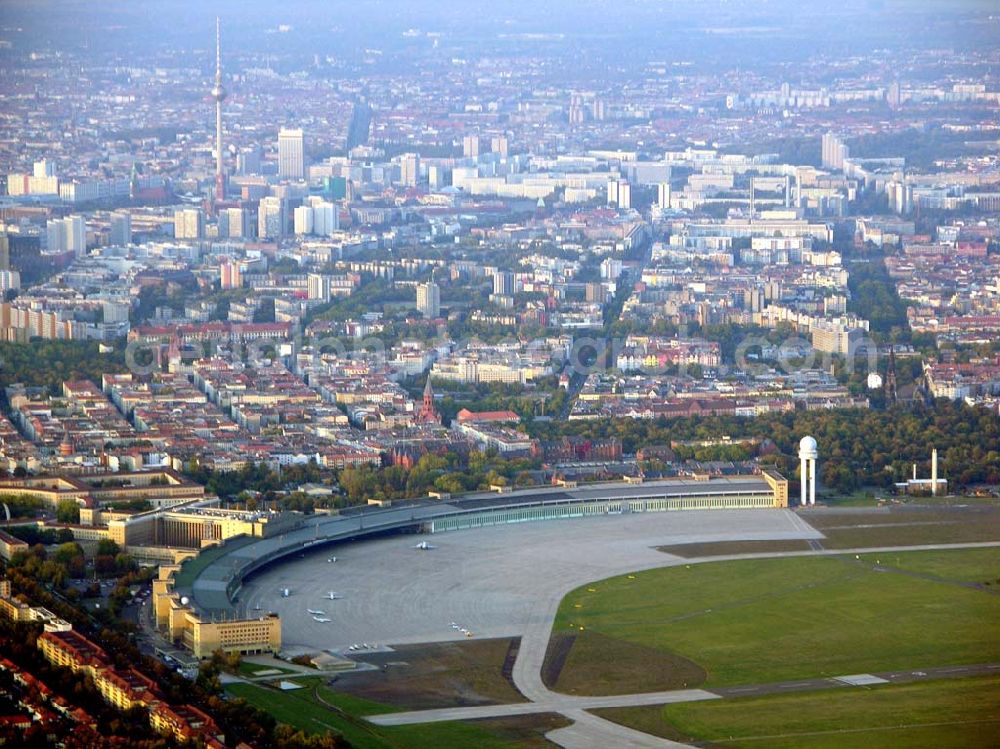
{"x": 980, "y": 566}
{"x": 945, "y": 714}
{"x": 757, "y": 621}
{"x": 247, "y": 668}
{"x": 301, "y": 709}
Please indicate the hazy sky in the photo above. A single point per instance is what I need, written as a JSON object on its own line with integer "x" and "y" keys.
{"x": 713, "y": 27}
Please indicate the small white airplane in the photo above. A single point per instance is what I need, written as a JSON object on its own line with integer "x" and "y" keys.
{"x": 331, "y": 559}
{"x": 353, "y": 648}
{"x": 424, "y": 546}
{"x": 316, "y": 612}
{"x": 333, "y": 596}
{"x": 321, "y": 620}
{"x": 285, "y": 592}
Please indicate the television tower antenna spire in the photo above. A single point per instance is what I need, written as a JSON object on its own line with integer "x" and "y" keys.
{"x": 219, "y": 94}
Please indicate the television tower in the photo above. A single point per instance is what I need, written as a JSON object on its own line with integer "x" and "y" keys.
{"x": 219, "y": 94}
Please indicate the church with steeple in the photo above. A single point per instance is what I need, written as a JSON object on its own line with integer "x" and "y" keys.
{"x": 428, "y": 413}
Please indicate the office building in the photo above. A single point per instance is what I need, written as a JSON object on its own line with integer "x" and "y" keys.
{"x": 429, "y": 299}
{"x": 291, "y": 154}
{"x": 272, "y": 218}
{"x": 302, "y": 218}
{"x": 189, "y": 223}
{"x": 499, "y": 145}
{"x": 67, "y": 235}
{"x": 232, "y": 223}
{"x": 663, "y": 195}
{"x": 834, "y": 152}
{"x": 471, "y": 146}
{"x": 620, "y": 194}
{"x": 326, "y": 218}
{"x": 44, "y": 168}
{"x": 120, "y": 231}
{"x": 248, "y": 161}
{"x": 409, "y": 169}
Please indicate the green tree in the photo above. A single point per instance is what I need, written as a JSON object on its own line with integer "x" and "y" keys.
{"x": 68, "y": 511}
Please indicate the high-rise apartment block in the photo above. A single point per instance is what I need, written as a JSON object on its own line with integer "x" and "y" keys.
{"x": 120, "y": 231}
{"x": 471, "y": 146}
{"x": 272, "y": 218}
{"x": 835, "y": 152}
{"x": 67, "y": 235}
{"x": 189, "y": 223}
{"x": 429, "y": 299}
{"x": 291, "y": 154}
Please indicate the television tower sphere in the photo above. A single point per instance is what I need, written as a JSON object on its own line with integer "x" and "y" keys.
{"x": 807, "y": 448}
{"x": 874, "y": 381}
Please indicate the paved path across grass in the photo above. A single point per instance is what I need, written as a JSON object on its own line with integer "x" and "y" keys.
{"x": 588, "y": 730}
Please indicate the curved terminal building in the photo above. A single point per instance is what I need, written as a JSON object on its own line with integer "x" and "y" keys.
{"x": 197, "y": 603}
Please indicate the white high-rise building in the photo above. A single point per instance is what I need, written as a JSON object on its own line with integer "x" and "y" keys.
{"x": 44, "y": 168}
{"x": 189, "y": 223}
{"x": 503, "y": 283}
{"x": 318, "y": 287}
{"x": 67, "y": 235}
{"x": 620, "y": 194}
{"x": 232, "y": 223}
{"x": 663, "y": 195}
{"x": 409, "y": 169}
{"x": 326, "y": 218}
{"x": 436, "y": 177}
{"x": 271, "y": 218}
{"x": 835, "y": 152}
{"x": 429, "y": 299}
{"x": 471, "y": 146}
{"x": 291, "y": 154}
{"x": 120, "y": 232}
{"x": 303, "y": 219}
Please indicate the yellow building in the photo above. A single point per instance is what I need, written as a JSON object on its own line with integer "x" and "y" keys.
{"x": 262, "y": 635}
{"x": 178, "y": 619}
{"x": 9, "y": 545}
{"x": 779, "y": 485}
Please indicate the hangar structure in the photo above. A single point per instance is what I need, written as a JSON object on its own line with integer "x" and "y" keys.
{"x": 197, "y": 602}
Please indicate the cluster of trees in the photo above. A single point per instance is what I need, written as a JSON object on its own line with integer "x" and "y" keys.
{"x": 32, "y": 534}
{"x": 65, "y": 562}
{"x": 921, "y": 147}
{"x": 22, "y": 505}
{"x": 874, "y": 298}
{"x": 445, "y": 473}
{"x": 254, "y": 477}
{"x": 48, "y": 364}
{"x": 858, "y": 447}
